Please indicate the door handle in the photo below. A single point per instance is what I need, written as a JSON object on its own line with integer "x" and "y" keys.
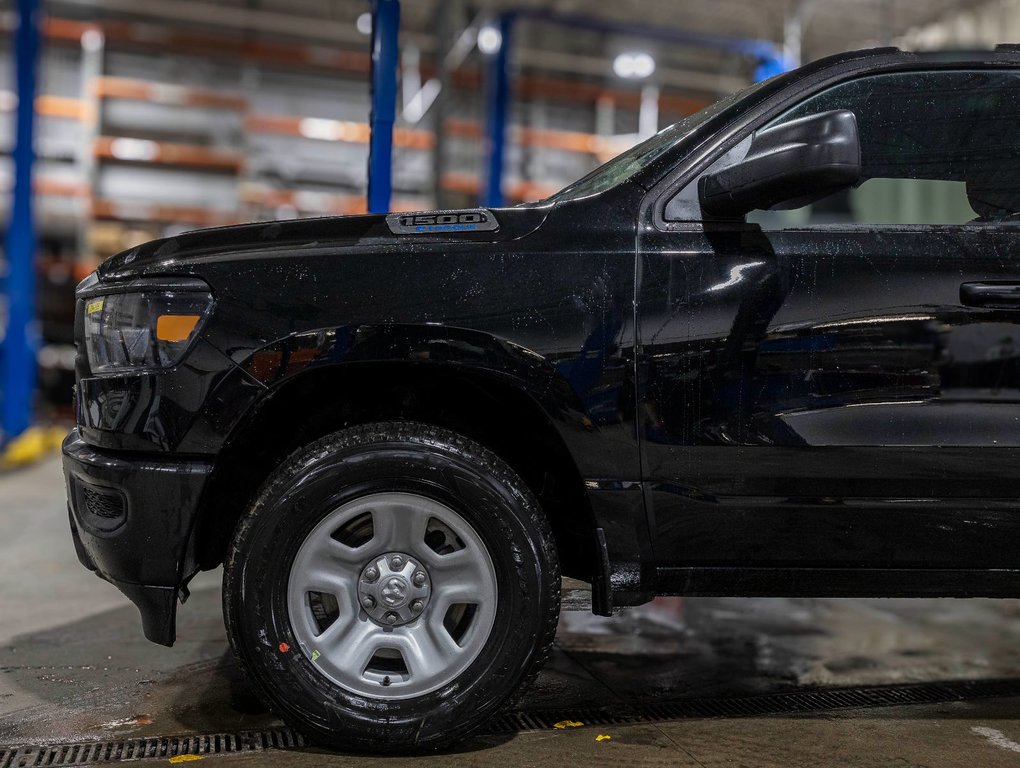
{"x": 991, "y": 295}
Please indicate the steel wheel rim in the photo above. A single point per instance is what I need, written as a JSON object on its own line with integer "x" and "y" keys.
{"x": 423, "y": 649}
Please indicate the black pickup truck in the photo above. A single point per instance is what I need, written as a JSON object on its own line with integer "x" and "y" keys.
{"x": 773, "y": 350}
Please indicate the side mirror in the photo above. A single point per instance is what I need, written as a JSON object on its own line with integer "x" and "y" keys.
{"x": 796, "y": 162}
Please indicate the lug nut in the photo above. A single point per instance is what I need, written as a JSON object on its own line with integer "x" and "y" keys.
{"x": 391, "y": 618}
{"x": 371, "y": 573}
{"x": 417, "y": 606}
{"x": 419, "y": 579}
{"x": 396, "y": 562}
{"x": 368, "y": 602}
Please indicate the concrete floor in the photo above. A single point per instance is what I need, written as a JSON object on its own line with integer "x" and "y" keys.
{"x": 74, "y": 666}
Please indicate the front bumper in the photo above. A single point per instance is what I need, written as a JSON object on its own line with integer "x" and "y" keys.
{"x": 132, "y": 521}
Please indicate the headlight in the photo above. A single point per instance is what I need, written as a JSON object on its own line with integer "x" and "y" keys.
{"x": 139, "y": 331}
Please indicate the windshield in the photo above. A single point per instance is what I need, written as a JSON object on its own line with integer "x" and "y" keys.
{"x": 625, "y": 165}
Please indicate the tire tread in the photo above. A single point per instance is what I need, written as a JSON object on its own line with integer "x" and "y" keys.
{"x": 399, "y": 432}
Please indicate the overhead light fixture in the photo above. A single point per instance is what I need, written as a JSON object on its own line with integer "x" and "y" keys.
{"x": 332, "y": 130}
{"x": 92, "y": 40}
{"x": 634, "y": 65}
{"x": 319, "y": 128}
{"x": 489, "y": 39}
{"x": 364, "y": 23}
{"x": 139, "y": 150}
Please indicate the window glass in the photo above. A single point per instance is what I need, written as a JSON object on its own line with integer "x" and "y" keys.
{"x": 937, "y": 147}
{"x": 625, "y": 165}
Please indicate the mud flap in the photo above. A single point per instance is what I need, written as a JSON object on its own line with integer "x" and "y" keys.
{"x": 158, "y": 609}
{"x": 601, "y": 586}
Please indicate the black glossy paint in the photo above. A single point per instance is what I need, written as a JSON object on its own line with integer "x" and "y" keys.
{"x": 143, "y": 553}
{"x": 748, "y": 411}
{"x": 826, "y": 400}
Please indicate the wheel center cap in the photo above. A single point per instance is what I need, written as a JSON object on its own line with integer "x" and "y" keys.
{"x": 394, "y": 589}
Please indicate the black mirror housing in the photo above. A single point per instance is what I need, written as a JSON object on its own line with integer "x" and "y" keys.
{"x": 800, "y": 161}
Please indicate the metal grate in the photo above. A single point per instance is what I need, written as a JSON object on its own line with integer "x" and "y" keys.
{"x": 790, "y": 702}
{"x": 104, "y": 504}
{"x": 98, "y": 752}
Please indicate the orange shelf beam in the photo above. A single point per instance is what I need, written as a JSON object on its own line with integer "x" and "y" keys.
{"x": 410, "y": 138}
{"x": 328, "y": 203}
{"x": 334, "y": 130}
{"x": 132, "y": 211}
{"x": 52, "y": 187}
{"x": 132, "y": 34}
{"x": 131, "y": 150}
{"x": 48, "y": 106}
{"x": 165, "y": 93}
{"x": 60, "y": 106}
{"x": 522, "y": 190}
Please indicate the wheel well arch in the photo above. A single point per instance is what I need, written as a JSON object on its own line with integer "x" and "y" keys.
{"x": 491, "y": 409}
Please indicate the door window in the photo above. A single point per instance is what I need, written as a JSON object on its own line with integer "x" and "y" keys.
{"x": 937, "y": 147}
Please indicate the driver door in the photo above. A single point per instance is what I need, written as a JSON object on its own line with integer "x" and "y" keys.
{"x": 838, "y": 386}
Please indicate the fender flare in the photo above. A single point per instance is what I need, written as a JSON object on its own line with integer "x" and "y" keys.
{"x": 482, "y": 353}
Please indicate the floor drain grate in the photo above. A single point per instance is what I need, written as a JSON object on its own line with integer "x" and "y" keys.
{"x": 164, "y": 747}
{"x": 787, "y": 702}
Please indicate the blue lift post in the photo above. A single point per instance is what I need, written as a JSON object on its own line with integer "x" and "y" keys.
{"x": 385, "y": 28}
{"x": 17, "y": 387}
{"x": 770, "y": 62}
{"x": 497, "y": 114}
{"x": 769, "y": 66}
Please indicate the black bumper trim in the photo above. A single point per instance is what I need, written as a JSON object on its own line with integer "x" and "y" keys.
{"x": 158, "y": 609}
{"x": 146, "y": 554}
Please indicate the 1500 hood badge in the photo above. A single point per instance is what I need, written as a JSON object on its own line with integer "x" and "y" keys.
{"x": 427, "y": 222}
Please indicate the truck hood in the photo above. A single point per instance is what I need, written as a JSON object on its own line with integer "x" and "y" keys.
{"x": 418, "y": 228}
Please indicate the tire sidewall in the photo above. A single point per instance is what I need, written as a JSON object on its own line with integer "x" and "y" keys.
{"x": 317, "y": 483}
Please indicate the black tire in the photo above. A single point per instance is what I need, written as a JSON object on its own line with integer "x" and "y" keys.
{"x": 405, "y": 457}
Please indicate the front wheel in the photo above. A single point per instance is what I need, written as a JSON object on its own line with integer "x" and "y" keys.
{"x": 393, "y": 586}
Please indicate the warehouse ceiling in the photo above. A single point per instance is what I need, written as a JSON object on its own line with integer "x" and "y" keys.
{"x": 803, "y": 29}
{"x": 828, "y": 25}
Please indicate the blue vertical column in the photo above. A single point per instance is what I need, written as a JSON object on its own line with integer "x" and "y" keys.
{"x": 19, "y": 347}
{"x": 770, "y": 65}
{"x": 385, "y": 27}
{"x": 497, "y": 114}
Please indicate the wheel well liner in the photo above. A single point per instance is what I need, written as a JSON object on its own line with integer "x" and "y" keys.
{"x": 490, "y": 408}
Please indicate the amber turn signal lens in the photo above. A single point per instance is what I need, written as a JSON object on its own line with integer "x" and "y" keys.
{"x": 176, "y": 327}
